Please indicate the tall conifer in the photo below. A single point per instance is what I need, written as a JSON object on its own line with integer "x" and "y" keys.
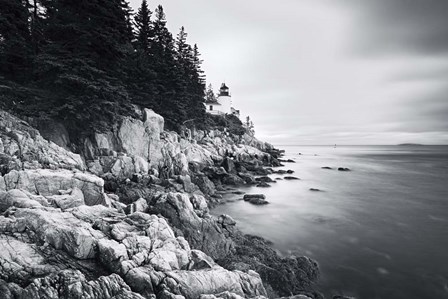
{"x": 143, "y": 26}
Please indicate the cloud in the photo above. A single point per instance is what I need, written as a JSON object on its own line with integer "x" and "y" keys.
{"x": 329, "y": 71}
{"x": 392, "y": 27}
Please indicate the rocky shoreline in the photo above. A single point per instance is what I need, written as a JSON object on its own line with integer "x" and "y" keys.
{"x": 128, "y": 217}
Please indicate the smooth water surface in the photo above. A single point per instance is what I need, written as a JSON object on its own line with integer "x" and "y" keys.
{"x": 378, "y": 231}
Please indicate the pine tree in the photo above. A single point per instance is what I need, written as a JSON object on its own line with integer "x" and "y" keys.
{"x": 197, "y": 61}
{"x": 83, "y": 60}
{"x": 143, "y": 26}
{"x": 182, "y": 50}
{"x": 141, "y": 69}
{"x": 168, "y": 84}
{"x": 128, "y": 13}
{"x": 198, "y": 83}
{"x": 210, "y": 94}
{"x": 249, "y": 125}
{"x": 163, "y": 39}
{"x": 15, "y": 54}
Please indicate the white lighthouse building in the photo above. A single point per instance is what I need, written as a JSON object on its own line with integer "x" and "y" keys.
{"x": 223, "y": 103}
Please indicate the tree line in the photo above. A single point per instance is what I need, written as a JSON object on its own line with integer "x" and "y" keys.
{"x": 85, "y": 62}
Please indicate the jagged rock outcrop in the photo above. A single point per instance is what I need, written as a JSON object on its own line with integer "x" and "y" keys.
{"x": 62, "y": 236}
{"x": 70, "y": 284}
{"x": 137, "y": 145}
{"x": 48, "y": 182}
{"x": 283, "y": 275}
{"x": 22, "y": 147}
{"x": 140, "y": 248}
{"x": 189, "y": 214}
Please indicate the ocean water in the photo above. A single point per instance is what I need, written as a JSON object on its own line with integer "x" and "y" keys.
{"x": 378, "y": 231}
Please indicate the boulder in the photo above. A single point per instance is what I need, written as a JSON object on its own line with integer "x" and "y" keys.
{"x": 248, "y": 197}
{"x": 140, "y": 165}
{"x": 204, "y": 184}
{"x": 265, "y": 179}
{"x": 225, "y": 295}
{"x": 18, "y": 198}
{"x": 139, "y": 137}
{"x": 202, "y": 232}
{"x": 62, "y": 231}
{"x": 48, "y": 182}
{"x": 199, "y": 204}
{"x": 215, "y": 173}
{"x": 141, "y": 280}
{"x": 180, "y": 164}
{"x": 200, "y": 260}
{"x": 263, "y": 185}
{"x": 229, "y": 165}
{"x": 111, "y": 253}
{"x": 287, "y": 161}
{"x": 226, "y": 220}
{"x": 232, "y": 179}
{"x": 280, "y": 171}
{"x": 68, "y": 199}
{"x": 258, "y": 201}
{"x": 192, "y": 284}
{"x": 187, "y": 185}
{"x": 247, "y": 177}
{"x": 343, "y": 169}
{"x": 20, "y": 260}
{"x": 123, "y": 167}
{"x": 138, "y": 206}
{"x": 290, "y": 178}
{"x": 285, "y": 275}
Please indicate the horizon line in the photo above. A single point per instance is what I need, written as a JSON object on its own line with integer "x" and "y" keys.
{"x": 402, "y": 144}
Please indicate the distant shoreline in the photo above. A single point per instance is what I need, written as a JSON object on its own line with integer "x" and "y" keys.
{"x": 344, "y": 145}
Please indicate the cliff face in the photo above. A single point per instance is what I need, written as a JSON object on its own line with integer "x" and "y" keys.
{"x": 136, "y": 145}
{"x": 130, "y": 220}
{"x": 22, "y": 146}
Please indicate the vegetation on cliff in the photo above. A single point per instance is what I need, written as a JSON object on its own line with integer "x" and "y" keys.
{"x": 85, "y": 63}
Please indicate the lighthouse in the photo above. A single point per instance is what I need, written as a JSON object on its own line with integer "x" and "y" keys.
{"x": 225, "y": 99}
{"x": 222, "y": 104}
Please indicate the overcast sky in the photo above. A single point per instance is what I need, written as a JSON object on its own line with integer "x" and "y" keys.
{"x": 326, "y": 71}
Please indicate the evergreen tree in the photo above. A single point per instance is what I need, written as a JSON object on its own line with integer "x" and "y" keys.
{"x": 82, "y": 62}
{"x": 143, "y": 26}
{"x": 15, "y": 52}
{"x": 210, "y": 94}
{"x": 197, "y": 62}
{"x": 163, "y": 39}
{"x": 83, "y": 58}
{"x": 141, "y": 72}
{"x": 167, "y": 82}
{"x": 249, "y": 125}
{"x": 182, "y": 50}
{"x": 198, "y": 84}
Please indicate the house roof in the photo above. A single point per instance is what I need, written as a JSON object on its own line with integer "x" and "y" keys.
{"x": 224, "y": 86}
{"x": 208, "y": 102}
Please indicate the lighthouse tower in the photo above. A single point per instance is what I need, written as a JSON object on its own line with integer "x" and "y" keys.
{"x": 225, "y": 99}
{"x": 222, "y": 104}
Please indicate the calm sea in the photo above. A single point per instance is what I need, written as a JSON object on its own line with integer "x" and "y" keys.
{"x": 378, "y": 231}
